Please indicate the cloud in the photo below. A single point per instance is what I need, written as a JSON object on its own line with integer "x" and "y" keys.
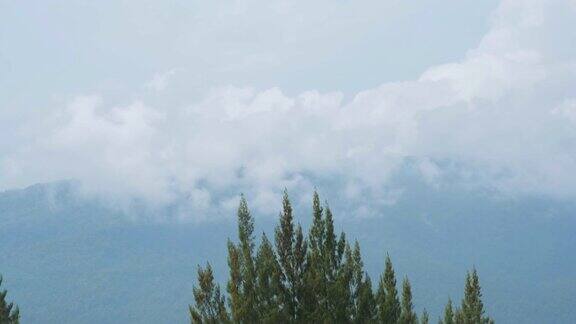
{"x": 504, "y": 113}
{"x": 160, "y": 81}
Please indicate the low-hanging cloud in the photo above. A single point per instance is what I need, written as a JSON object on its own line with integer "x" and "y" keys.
{"x": 506, "y": 113}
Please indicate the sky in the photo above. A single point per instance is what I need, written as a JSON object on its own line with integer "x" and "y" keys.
{"x": 156, "y": 101}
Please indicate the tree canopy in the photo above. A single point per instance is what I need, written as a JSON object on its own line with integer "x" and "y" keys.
{"x": 313, "y": 278}
{"x": 9, "y": 313}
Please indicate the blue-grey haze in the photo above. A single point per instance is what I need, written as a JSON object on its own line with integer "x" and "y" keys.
{"x": 70, "y": 260}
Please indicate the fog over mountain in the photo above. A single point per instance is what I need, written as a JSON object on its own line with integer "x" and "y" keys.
{"x": 503, "y": 113}
{"x": 67, "y": 259}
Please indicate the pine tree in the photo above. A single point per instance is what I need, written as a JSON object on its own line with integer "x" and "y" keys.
{"x": 329, "y": 250}
{"x": 380, "y": 300}
{"x": 314, "y": 296}
{"x": 313, "y": 279}
{"x": 317, "y": 231}
{"x": 469, "y": 302}
{"x": 472, "y": 306}
{"x": 269, "y": 290}
{"x": 8, "y": 314}
{"x": 357, "y": 280}
{"x": 209, "y": 305}
{"x": 314, "y": 290}
{"x": 338, "y": 274}
{"x": 248, "y": 312}
{"x": 387, "y": 299}
{"x": 366, "y": 304}
{"x": 341, "y": 299}
{"x": 299, "y": 266}
{"x": 241, "y": 285}
{"x": 459, "y": 317}
{"x": 285, "y": 240}
{"x": 235, "y": 282}
{"x": 341, "y": 248}
{"x": 448, "y": 313}
{"x": 330, "y": 266}
{"x": 364, "y": 309}
{"x": 407, "y": 315}
{"x": 425, "y": 318}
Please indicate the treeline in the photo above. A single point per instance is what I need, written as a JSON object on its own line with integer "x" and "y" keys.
{"x": 9, "y": 314}
{"x": 318, "y": 278}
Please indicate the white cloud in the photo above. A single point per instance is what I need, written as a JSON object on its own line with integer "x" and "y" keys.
{"x": 503, "y": 112}
{"x": 160, "y": 81}
{"x": 567, "y": 109}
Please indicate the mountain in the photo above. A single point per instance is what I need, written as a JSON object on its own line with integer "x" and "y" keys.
{"x": 66, "y": 258}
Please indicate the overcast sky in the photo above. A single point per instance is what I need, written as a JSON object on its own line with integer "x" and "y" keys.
{"x": 152, "y": 99}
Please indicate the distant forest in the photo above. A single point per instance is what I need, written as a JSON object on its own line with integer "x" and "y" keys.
{"x": 318, "y": 278}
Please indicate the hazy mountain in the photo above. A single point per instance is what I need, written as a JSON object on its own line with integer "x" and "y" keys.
{"x": 67, "y": 259}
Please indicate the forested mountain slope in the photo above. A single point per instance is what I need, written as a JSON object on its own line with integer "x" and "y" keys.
{"x": 67, "y": 259}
